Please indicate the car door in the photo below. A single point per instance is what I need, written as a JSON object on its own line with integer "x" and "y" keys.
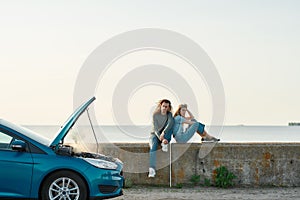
{"x": 15, "y": 168}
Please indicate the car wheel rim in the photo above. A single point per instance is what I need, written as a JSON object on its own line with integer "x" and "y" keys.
{"x": 64, "y": 189}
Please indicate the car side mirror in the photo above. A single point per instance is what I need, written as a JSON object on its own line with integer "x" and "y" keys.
{"x": 18, "y": 145}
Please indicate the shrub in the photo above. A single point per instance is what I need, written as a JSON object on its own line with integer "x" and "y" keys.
{"x": 224, "y": 177}
{"x": 207, "y": 182}
{"x": 195, "y": 179}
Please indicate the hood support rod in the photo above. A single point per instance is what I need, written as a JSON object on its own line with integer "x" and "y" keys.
{"x": 92, "y": 128}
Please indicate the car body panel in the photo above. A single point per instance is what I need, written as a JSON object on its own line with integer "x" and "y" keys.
{"x": 12, "y": 162}
{"x": 44, "y": 165}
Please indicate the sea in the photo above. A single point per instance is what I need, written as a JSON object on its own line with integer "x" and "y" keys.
{"x": 140, "y": 134}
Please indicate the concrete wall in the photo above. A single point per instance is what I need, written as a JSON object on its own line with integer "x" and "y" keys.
{"x": 254, "y": 164}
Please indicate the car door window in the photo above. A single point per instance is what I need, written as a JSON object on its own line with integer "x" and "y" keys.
{"x": 5, "y": 141}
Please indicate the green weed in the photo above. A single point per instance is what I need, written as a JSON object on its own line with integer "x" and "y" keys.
{"x": 224, "y": 177}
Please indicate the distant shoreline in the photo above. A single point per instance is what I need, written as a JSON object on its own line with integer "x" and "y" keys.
{"x": 294, "y": 123}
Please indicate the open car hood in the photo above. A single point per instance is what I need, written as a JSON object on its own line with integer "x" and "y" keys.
{"x": 63, "y": 131}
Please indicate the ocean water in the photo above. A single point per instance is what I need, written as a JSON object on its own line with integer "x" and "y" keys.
{"x": 140, "y": 134}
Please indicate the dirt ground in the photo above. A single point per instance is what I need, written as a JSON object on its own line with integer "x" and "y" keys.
{"x": 158, "y": 193}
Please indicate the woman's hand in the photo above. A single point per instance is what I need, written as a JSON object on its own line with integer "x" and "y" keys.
{"x": 188, "y": 121}
{"x": 190, "y": 114}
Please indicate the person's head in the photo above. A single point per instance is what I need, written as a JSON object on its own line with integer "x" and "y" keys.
{"x": 164, "y": 106}
{"x": 182, "y": 108}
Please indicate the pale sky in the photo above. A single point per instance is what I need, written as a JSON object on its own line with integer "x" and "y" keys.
{"x": 254, "y": 44}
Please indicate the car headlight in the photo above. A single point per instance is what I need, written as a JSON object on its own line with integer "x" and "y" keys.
{"x": 101, "y": 163}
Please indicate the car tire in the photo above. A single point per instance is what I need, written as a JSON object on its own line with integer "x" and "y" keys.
{"x": 64, "y": 185}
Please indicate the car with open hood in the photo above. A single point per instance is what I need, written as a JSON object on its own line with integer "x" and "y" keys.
{"x": 34, "y": 167}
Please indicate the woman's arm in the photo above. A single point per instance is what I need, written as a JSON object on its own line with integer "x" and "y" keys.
{"x": 191, "y": 116}
{"x": 188, "y": 121}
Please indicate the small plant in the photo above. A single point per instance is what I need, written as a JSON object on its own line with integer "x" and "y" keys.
{"x": 207, "y": 182}
{"x": 195, "y": 179}
{"x": 128, "y": 183}
{"x": 179, "y": 185}
{"x": 224, "y": 177}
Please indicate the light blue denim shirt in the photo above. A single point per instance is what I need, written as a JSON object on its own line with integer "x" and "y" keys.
{"x": 178, "y": 127}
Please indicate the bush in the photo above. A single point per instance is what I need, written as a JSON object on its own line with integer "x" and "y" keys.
{"x": 195, "y": 179}
{"x": 207, "y": 182}
{"x": 224, "y": 177}
{"x": 179, "y": 185}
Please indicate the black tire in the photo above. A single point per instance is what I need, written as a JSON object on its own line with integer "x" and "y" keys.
{"x": 64, "y": 184}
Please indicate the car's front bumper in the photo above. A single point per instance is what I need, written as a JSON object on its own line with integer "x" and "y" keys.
{"x": 104, "y": 183}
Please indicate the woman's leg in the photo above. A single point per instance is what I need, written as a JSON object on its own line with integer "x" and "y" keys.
{"x": 207, "y": 136}
{"x": 188, "y": 134}
{"x": 203, "y": 133}
{"x": 200, "y": 129}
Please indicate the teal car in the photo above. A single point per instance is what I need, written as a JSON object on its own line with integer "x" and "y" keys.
{"x": 34, "y": 167}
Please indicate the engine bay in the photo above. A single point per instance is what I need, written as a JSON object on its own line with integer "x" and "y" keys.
{"x": 67, "y": 150}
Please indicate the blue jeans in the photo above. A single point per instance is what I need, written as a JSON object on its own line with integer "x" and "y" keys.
{"x": 154, "y": 142}
{"x": 183, "y": 137}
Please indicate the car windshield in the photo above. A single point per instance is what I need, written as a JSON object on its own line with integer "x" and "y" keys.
{"x": 35, "y": 136}
{"x": 27, "y": 132}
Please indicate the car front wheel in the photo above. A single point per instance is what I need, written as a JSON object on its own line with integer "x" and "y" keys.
{"x": 64, "y": 185}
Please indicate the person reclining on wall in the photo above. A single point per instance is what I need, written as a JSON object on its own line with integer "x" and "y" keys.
{"x": 181, "y": 135}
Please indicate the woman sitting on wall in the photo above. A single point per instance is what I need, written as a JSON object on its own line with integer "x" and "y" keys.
{"x": 180, "y": 119}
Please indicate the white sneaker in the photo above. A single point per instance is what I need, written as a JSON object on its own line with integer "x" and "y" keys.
{"x": 151, "y": 172}
{"x": 164, "y": 147}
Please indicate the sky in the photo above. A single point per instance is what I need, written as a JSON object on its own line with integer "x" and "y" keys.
{"x": 254, "y": 45}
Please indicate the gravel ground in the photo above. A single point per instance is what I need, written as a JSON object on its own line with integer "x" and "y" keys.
{"x": 158, "y": 193}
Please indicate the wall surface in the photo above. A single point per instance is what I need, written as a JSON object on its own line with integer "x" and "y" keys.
{"x": 254, "y": 164}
